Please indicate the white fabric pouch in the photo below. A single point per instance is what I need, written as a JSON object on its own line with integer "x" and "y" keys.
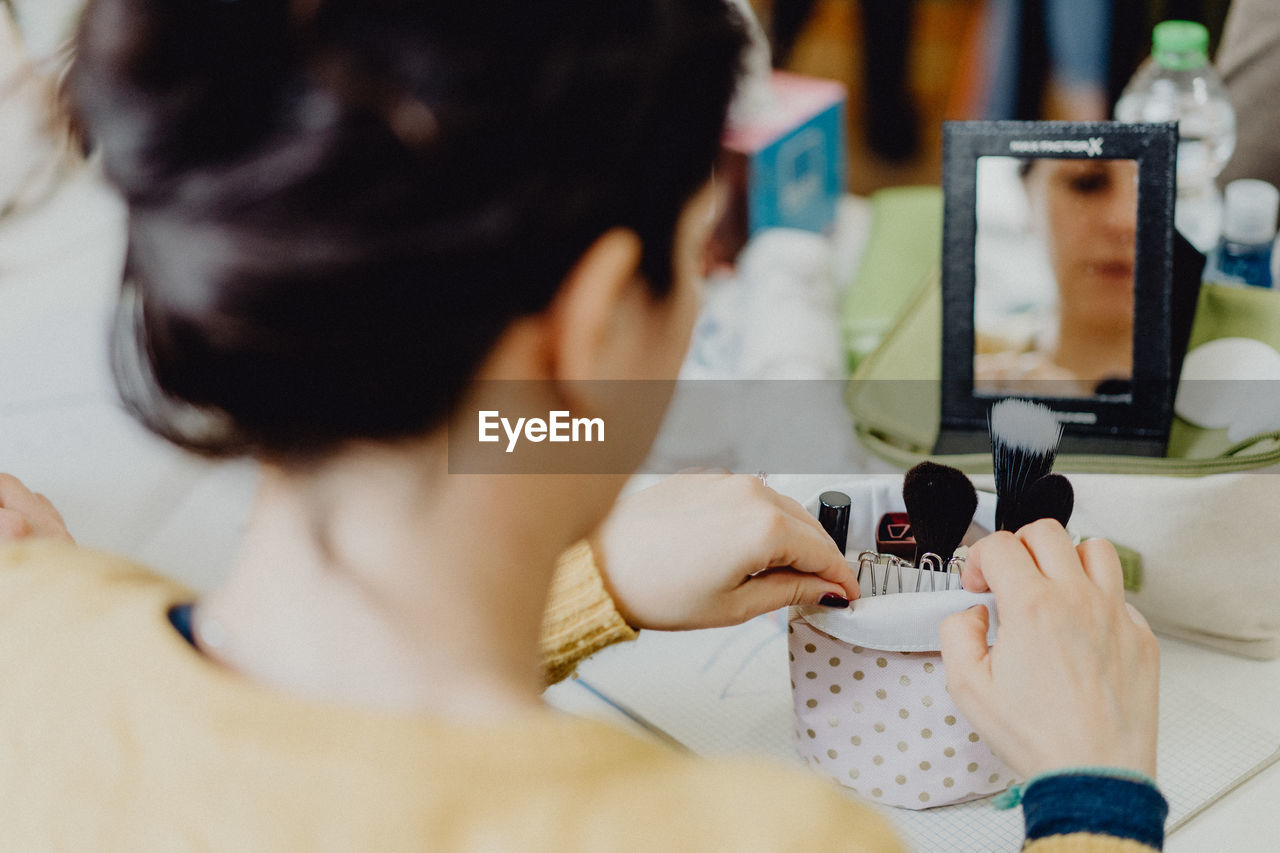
{"x": 871, "y": 707}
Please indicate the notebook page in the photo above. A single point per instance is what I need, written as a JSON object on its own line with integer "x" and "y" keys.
{"x": 726, "y": 691}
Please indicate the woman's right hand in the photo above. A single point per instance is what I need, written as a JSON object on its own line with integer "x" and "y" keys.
{"x": 1073, "y": 677}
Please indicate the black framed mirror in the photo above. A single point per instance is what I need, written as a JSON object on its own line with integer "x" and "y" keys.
{"x": 1057, "y": 280}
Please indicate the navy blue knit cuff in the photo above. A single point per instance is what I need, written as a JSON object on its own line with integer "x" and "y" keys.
{"x": 1060, "y": 805}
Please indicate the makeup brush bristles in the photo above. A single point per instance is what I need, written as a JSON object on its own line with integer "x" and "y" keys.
{"x": 940, "y": 502}
{"x": 1049, "y": 497}
{"x": 1024, "y": 443}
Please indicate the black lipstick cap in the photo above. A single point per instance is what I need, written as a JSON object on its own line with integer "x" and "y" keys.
{"x": 833, "y": 515}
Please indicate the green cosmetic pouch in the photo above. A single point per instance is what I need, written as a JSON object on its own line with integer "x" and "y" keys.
{"x": 1196, "y": 527}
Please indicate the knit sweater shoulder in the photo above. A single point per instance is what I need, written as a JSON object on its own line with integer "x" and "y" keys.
{"x": 117, "y": 735}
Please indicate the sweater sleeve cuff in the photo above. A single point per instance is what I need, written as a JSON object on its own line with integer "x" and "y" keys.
{"x": 580, "y": 618}
{"x": 1103, "y": 805}
{"x": 1084, "y": 842}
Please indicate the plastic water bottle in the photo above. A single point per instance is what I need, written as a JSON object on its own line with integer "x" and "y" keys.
{"x": 1177, "y": 83}
{"x": 1248, "y": 232}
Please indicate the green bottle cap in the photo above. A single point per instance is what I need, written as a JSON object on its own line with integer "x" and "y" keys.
{"x": 1180, "y": 45}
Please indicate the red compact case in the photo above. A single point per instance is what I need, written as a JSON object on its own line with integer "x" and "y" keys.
{"x": 894, "y": 536}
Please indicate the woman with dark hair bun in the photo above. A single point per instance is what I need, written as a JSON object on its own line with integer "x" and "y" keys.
{"x": 347, "y": 220}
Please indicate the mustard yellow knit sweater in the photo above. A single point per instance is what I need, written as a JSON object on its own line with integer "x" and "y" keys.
{"x": 116, "y": 735}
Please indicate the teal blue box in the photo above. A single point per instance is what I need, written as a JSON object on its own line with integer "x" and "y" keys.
{"x": 787, "y": 167}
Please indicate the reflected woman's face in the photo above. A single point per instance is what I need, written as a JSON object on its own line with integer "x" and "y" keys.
{"x": 1087, "y": 212}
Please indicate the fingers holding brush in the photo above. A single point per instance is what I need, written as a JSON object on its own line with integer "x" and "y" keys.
{"x": 1072, "y": 678}
{"x": 1102, "y": 565}
{"x": 1000, "y": 563}
{"x": 1051, "y": 549}
{"x": 1044, "y": 547}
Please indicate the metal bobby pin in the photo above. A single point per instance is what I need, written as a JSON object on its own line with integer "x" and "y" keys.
{"x": 926, "y": 561}
{"x": 868, "y": 558}
{"x": 894, "y": 562}
{"x": 929, "y": 562}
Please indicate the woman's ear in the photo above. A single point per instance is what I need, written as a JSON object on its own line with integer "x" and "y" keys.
{"x": 595, "y": 312}
{"x": 603, "y": 333}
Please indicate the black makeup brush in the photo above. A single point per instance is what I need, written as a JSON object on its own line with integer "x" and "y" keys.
{"x": 1024, "y": 443}
{"x": 940, "y": 503}
{"x": 1049, "y": 497}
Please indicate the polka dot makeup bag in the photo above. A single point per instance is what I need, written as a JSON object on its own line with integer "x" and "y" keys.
{"x": 871, "y": 707}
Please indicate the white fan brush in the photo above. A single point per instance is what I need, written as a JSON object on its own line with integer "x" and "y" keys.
{"x": 1024, "y": 443}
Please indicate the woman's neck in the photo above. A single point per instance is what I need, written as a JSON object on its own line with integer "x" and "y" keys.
{"x": 382, "y": 581}
{"x": 1102, "y": 353}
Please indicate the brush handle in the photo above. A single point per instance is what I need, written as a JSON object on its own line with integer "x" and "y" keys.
{"x": 1002, "y": 512}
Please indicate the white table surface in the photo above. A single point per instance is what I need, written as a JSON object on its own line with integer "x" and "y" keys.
{"x": 120, "y": 489}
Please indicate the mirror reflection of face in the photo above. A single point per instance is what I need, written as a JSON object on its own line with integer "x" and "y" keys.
{"x": 1054, "y": 287}
{"x": 1087, "y": 213}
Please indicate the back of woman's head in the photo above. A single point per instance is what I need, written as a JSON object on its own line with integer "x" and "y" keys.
{"x": 336, "y": 206}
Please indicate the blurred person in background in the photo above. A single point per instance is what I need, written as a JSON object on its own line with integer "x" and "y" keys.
{"x": 1248, "y": 58}
{"x": 1077, "y": 35}
{"x": 890, "y": 120}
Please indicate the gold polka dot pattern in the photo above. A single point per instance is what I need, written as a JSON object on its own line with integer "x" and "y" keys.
{"x": 883, "y": 724}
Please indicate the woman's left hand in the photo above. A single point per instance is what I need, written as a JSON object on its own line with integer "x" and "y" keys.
{"x": 25, "y": 514}
{"x": 701, "y": 550}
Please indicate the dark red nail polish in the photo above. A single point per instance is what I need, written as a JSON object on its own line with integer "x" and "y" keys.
{"x": 833, "y": 600}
